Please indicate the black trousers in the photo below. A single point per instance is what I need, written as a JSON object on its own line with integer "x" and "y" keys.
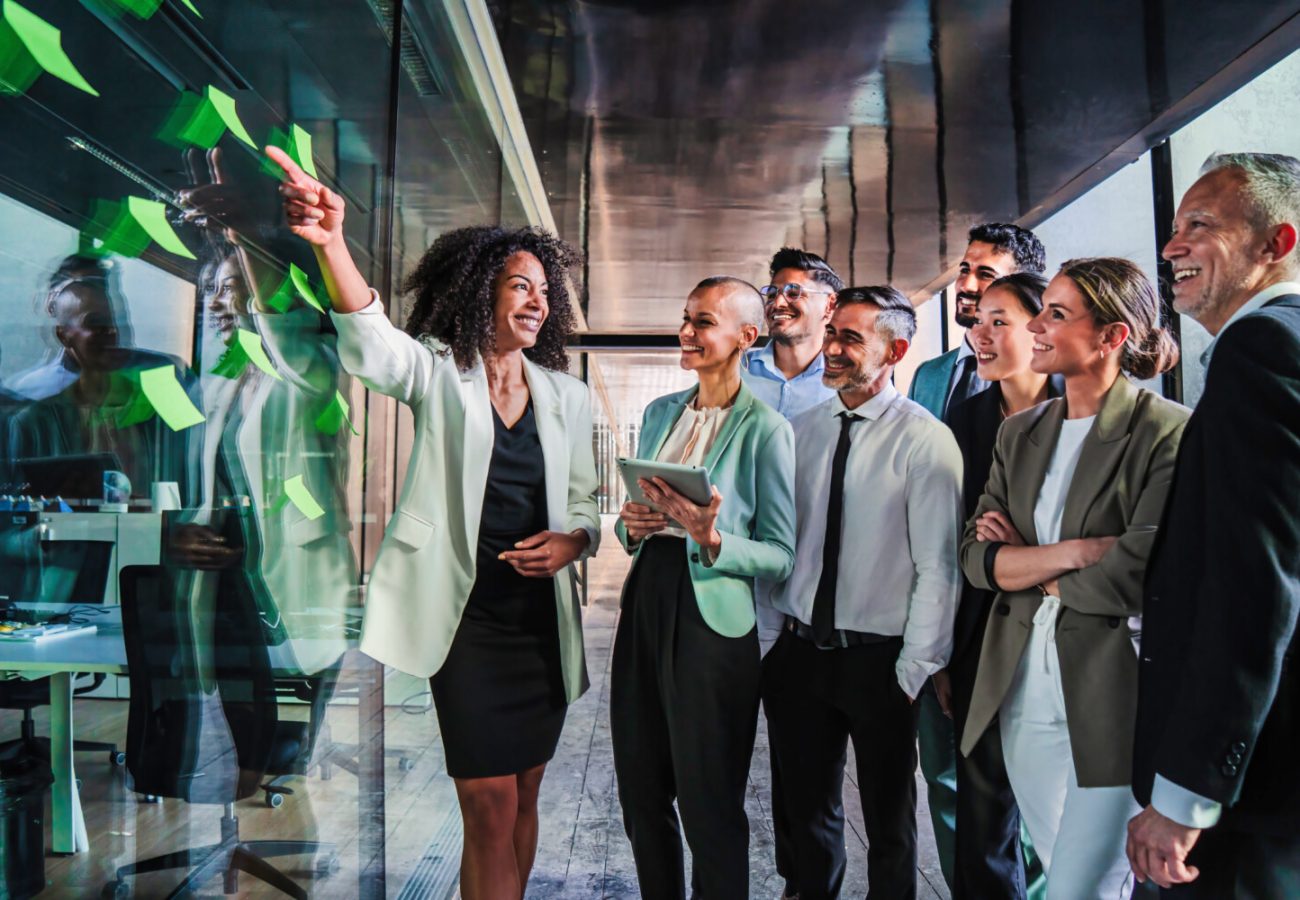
{"x": 782, "y": 838}
{"x": 989, "y": 863}
{"x": 818, "y": 700}
{"x": 683, "y": 715}
{"x": 1237, "y": 865}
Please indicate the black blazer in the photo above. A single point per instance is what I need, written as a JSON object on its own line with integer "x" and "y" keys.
{"x": 975, "y": 423}
{"x": 1219, "y": 690}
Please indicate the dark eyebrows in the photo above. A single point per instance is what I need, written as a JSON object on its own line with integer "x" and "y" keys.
{"x": 526, "y": 279}
{"x": 849, "y": 333}
{"x": 988, "y": 271}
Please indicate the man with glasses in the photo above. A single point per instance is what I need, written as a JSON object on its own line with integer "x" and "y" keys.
{"x": 787, "y": 376}
{"x": 994, "y": 249}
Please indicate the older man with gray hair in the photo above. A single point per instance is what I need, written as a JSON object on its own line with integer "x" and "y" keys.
{"x": 1218, "y": 715}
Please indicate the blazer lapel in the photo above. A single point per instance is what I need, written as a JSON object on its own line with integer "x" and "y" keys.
{"x": 1102, "y": 450}
{"x": 1030, "y": 467}
{"x": 652, "y": 439}
{"x": 739, "y": 411}
{"x": 479, "y": 439}
{"x": 549, "y": 416}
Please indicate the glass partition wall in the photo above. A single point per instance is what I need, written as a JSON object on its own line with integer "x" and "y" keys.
{"x": 190, "y": 485}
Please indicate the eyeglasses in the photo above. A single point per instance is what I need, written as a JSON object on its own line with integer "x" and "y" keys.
{"x": 792, "y": 291}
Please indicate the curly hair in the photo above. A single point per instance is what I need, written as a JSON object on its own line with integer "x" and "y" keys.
{"x": 455, "y": 297}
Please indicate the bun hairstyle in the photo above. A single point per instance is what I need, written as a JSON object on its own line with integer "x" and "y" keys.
{"x": 1116, "y": 290}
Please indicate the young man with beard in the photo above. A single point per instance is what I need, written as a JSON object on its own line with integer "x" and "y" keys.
{"x": 870, "y": 603}
{"x": 994, "y": 249}
{"x": 787, "y": 376}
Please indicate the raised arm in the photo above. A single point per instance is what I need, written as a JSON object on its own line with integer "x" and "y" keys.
{"x": 315, "y": 214}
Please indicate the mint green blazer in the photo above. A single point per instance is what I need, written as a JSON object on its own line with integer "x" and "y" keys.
{"x": 930, "y": 383}
{"x": 752, "y": 464}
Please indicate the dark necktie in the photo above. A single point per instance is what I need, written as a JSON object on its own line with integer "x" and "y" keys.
{"x": 823, "y": 614}
{"x": 968, "y": 385}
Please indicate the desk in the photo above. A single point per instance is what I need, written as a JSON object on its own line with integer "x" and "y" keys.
{"x": 59, "y": 659}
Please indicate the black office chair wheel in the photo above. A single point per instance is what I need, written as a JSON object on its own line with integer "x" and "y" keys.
{"x": 405, "y": 764}
{"x": 116, "y": 758}
{"x": 327, "y": 865}
{"x": 116, "y": 890}
{"x": 274, "y": 800}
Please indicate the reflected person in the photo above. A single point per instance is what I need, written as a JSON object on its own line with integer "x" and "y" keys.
{"x": 473, "y": 584}
{"x": 1062, "y": 532}
{"x": 685, "y": 678}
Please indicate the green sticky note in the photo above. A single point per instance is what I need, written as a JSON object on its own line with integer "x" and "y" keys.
{"x": 300, "y": 497}
{"x": 192, "y": 8}
{"x": 335, "y": 416}
{"x": 251, "y": 344}
{"x": 152, "y": 217}
{"x": 304, "y": 287}
{"x": 169, "y": 399}
{"x": 224, "y": 104}
{"x": 302, "y": 148}
{"x": 45, "y": 43}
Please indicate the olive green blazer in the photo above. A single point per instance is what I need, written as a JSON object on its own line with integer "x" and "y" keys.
{"x": 1119, "y": 488}
{"x": 751, "y": 463}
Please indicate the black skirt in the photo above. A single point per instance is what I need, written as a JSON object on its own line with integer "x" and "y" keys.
{"x": 500, "y": 694}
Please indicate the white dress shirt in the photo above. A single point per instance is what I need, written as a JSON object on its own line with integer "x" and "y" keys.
{"x": 898, "y": 572}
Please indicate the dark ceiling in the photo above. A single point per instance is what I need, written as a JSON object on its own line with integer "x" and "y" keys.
{"x": 679, "y": 140}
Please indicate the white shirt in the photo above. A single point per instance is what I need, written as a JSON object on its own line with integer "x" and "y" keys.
{"x": 1272, "y": 292}
{"x": 1050, "y": 506}
{"x": 690, "y": 441}
{"x": 898, "y": 571}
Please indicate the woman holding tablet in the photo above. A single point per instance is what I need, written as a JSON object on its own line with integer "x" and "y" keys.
{"x": 684, "y": 692}
{"x": 472, "y": 583}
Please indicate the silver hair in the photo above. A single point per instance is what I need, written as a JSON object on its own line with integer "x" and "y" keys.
{"x": 896, "y": 318}
{"x": 1272, "y": 185}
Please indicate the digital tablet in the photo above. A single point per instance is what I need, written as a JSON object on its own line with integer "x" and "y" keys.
{"x": 689, "y": 481}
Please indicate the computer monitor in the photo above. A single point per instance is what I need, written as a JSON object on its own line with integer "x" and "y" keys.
{"x": 73, "y": 477}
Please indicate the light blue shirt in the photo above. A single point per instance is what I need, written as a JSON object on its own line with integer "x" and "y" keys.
{"x": 1173, "y": 801}
{"x": 788, "y": 396}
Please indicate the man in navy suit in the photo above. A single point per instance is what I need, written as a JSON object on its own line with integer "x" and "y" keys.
{"x": 994, "y": 249}
{"x": 1218, "y": 716}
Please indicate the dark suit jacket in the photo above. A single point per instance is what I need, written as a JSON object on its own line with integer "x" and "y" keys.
{"x": 1219, "y": 691}
{"x": 975, "y": 423}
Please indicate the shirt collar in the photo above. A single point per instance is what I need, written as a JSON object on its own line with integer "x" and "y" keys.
{"x": 964, "y": 349}
{"x": 766, "y": 358}
{"x": 1272, "y": 292}
{"x": 873, "y": 409}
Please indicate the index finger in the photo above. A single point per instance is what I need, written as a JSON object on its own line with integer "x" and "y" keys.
{"x": 215, "y": 167}
{"x": 291, "y": 169}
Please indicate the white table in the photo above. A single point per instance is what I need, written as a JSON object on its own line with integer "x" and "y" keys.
{"x": 59, "y": 659}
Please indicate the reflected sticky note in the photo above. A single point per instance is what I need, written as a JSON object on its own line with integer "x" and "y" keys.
{"x": 302, "y": 150}
{"x": 300, "y": 497}
{"x": 300, "y": 282}
{"x": 335, "y": 416}
{"x": 192, "y": 8}
{"x": 224, "y": 104}
{"x": 169, "y": 399}
{"x": 152, "y": 217}
{"x": 246, "y": 348}
{"x": 45, "y": 44}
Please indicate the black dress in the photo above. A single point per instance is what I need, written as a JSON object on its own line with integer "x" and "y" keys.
{"x": 500, "y": 694}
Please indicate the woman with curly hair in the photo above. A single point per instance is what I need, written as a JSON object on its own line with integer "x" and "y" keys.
{"x": 472, "y": 587}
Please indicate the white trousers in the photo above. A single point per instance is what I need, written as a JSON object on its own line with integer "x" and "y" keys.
{"x": 1078, "y": 833}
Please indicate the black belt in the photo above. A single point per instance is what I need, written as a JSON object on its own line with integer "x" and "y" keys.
{"x": 840, "y": 637}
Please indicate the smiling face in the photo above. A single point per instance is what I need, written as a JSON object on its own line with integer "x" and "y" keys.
{"x": 86, "y": 328}
{"x": 857, "y": 357}
{"x": 225, "y": 297}
{"x": 794, "y": 321}
{"x": 1067, "y": 339}
{"x": 982, "y": 265}
{"x": 521, "y": 306}
{"x": 1003, "y": 344}
{"x": 712, "y": 334}
{"x": 1215, "y": 250}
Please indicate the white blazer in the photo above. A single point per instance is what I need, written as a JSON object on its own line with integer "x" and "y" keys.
{"x": 426, "y": 564}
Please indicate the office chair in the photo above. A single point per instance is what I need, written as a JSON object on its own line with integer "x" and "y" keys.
{"x": 23, "y": 559}
{"x": 165, "y": 752}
